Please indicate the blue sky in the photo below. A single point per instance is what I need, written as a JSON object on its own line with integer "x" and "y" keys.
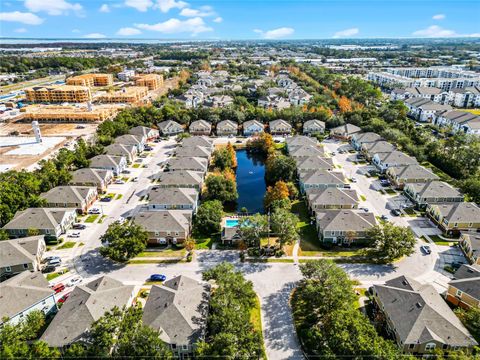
{"x": 238, "y": 19}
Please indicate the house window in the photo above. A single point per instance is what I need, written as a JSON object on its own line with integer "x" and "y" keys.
{"x": 411, "y": 346}
{"x": 444, "y": 346}
{"x": 459, "y": 293}
{"x": 430, "y": 346}
{"x": 8, "y": 269}
{"x": 184, "y": 347}
{"x": 25, "y": 266}
{"x": 174, "y": 346}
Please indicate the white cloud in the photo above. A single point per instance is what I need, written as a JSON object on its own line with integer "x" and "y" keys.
{"x": 75, "y": 31}
{"x": 140, "y": 5}
{"x": 95, "y": 36}
{"x": 438, "y": 17}
{"x": 166, "y": 5}
{"x": 204, "y": 11}
{"x": 346, "y": 33}
{"x": 128, "y": 31}
{"x": 104, "y": 8}
{"x": 21, "y": 17}
{"x": 173, "y": 26}
{"x": 435, "y": 31}
{"x": 278, "y": 33}
{"x": 218, "y": 19}
{"x": 20, "y": 30}
{"x": 53, "y": 7}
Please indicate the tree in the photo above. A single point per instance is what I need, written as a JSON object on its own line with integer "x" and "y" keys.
{"x": 275, "y": 193}
{"x": 222, "y": 159}
{"x": 471, "y": 319}
{"x": 221, "y": 186}
{"x": 4, "y": 234}
{"x": 391, "y": 242}
{"x": 279, "y": 168}
{"x": 208, "y": 217}
{"x": 262, "y": 144}
{"x": 344, "y": 104}
{"x": 233, "y": 154}
{"x": 252, "y": 228}
{"x": 284, "y": 225}
{"x": 189, "y": 245}
{"x": 122, "y": 242}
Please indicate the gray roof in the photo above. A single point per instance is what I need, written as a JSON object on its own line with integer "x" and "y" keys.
{"x": 322, "y": 177}
{"x": 178, "y": 309}
{"x": 19, "y": 251}
{"x": 435, "y": 189}
{"x": 279, "y": 123}
{"x": 227, "y": 125}
{"x": 419, "y": 314}
{"x": 460, "y": 212}
{"x": 86, "y": 304}
{"x": 418, "y": 101}
{"x": 424, "y": 90}
{"x": 333, "y": 196}
{"x": 141, "y": 131}
{"x": 91, "y": 176}
{"x": 173, "y": 196}
{"x": 164, "y": 220}
{"x": 378, "y": 147}
{"x": 197, "y": 141}
{"x": 306, "y": 150}
{"x": 344, "y": 220}
{"x": 37, "y": 218}
{"x": 105, "y": 161}
{"x": 202, "y": 124}
{"x": 188, "y": 163}
{"x": 313, "y": 163}
{"x": 314, "y": 123}
{"x": 414, "y": 171}
{"x": 347, "y": 129}
{"x": 368, "y": 137}
{"x": 120, "y": 150}
{"x": 396, "y": 157}
{"x": 68, "y": 194}
{"x": 467, "y": 280}
{"x": 21, "y": 292}
{"x": 128, "y": 139}
{"x": 193, "y": 151}
{"x": 249, "y": 123}
{"x": 459, "y": 116}
{"x": 300, "y": 140}
{"x": 169, "y": 123}
{"x": 181, "y": 178}
{"x": 474, "y": 239}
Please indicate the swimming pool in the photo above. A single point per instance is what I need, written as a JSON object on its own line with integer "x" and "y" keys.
{"x": 231, "y": 223}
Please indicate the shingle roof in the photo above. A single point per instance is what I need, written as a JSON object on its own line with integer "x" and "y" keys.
{"x": 344, "y": 220}
{"x": 105, "y": 161}
{"x": 128, "y": 139}
{"x": 435, "y": 189}
{"x": 181, "y": 178}
{"x": 333, "y": 196}
{"x": 165, "y": 220}
{"x": 300, "y": 140}
{"x": 140, "y": 130}
{"x": 314, "y": 122}
{"x": 322, "y": 177}
{"x": 279, "y": 123}
{"x": 178, "y": 309}
{"x": 86, "y": 304}
{"x": 368, "y": 137}
{"x": 414, "y": 171}
{"x": 313, "y": 163}
{"x": 21, "y": 292}
{"x": 167, "y": 123}
{"x": 201, "y": 124}
{"x": 68, "y": 194}
{"x": 227, "y": 125}
{"x": 419, "y": 314}
{"x": 89, "y": 175}
{"x": 188, "y": 163}
{"x": 120, "y": 150}
{"x": 249, "y": 123}
{"x": 461, "y": 212}
{"x": 378, "y": 147}
{"x": 193, "y": 151}
{"x": 347, "y": 129}
{"x": 173, "y": 196}
{"x": 396, "y": 157}
{"x": 197, "y": 141}
{"x": 19, "y": 251}
{"x": 305, "y": 150}
{"x": 37, "y": 218}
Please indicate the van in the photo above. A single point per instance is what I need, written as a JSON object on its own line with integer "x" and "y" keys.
{"x": 58, "y": 288}
{"x": 55, "y": 262}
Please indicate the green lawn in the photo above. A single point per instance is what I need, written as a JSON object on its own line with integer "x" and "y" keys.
{"x": 308, "y": 233}
{"x": 92, "y": 218}
{"x": 54, "y": 275}
{"x": 81, "y": 244}
{"x": 136, "y": 165}
{"x": 163, "y": 261}
{"x": 163, "y": 253}
{"x": 102, "y": 218}
{"x": 67, "y": 245}
{"x": 363, "y": 198}
{"x": 439, "y": 241}
{"x": 256, "y": 320}
{"x": 204, "y": 243}
{"x": 390, "y": 191}
{"x": 119, "y": 196}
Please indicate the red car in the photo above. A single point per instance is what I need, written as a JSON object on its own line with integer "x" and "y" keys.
{"x": 63, "y": 298}
{"x": 58, "y": 288}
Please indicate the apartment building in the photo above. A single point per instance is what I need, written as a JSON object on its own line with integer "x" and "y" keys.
{"x": 69, "y": 114}
{"x": 130, "y": 95}
{"x": 151, "y": 81}
{"x": 91, "y": 80}
{"x": 58, "y": 94}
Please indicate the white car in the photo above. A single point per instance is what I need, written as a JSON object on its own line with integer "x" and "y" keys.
{"x": 119, "y": 182}
{"x": 74, "y": 281}
{"x": 74, "y": 234}
{"x": 353, "y": 180}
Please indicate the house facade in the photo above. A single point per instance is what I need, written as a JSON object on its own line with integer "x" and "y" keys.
{"x": 433, "y": 192}
{"x": 470, "y": 245}
{"x": 200, "y": 127}
{"x": 116, "y": 164}
{"x": 453, "y": 218}
{"x": 464, "y": 289}
{"x": 67, "y": 196}
{"x": 170, "y": 127}
{"x": 92, "y": 177}
{"x": 165, "y": 226}
{"x": 252, "y": 127}
{"x": 19, "y": 255}
{"x": 227, "y": 128}
{"x": 313, "y": 127}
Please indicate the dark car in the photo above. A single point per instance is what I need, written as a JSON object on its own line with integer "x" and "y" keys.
{"x": 426, "y": 249}
{"x": 157, "y": 277}
{"x": 396, "y": 212}
{"x": 106, "y": 199}
{"x": 48, "y": 269}
{"x": 456, "y": 265}
{"x": 79, "y": 226}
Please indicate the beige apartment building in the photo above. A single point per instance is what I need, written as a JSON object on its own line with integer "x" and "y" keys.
{"x": 151, "y": 81}
{"x": 91, "y": 80}
{"x": 58, "y": 94}
{"x": 69, "y": 114}
{"x": 131, "y": 95}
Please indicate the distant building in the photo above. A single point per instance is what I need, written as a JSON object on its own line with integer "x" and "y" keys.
{"x": 58, "y": 94}
{"x": 91, "y": 80}
{"x": 151, "y": 81}
{"x": 126, "y": 75}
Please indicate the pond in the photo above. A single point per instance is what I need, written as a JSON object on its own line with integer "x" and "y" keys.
{"x": 251, "y": 185}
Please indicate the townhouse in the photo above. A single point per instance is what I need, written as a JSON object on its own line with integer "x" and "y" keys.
{"x": 170, "y": 127}
{"x": 385, "y": 160}
{"x": 23, "y": 294}
{"x": 193, "y": 151}
{"x": 304, "y": 151}
{"x": 418, "y": 318}
{"x": 344, "y": 226}
{"x": 85, "y": 305}
{"x": 165, "y": 226}
{"x": 279, "y": 127}
{"x": 320, "y": 179}
{"x": 404, "y": 174}
{"x": 452, "y": 218}
{"x": 313, "y": 163}
{"x": 345, "y": 132}
{"x": 430, "y": 93}
{"x": 172, "y": 199}
{"x": 424, "y": 110}
{"x": 314, "y": 126}
{"x": 433, "y": 192}
{"x": 227, "y": 128}
{"x": 144, "y": 132}
{"x": 138, "y": 141}
{"x": 198, "y": 141}
{"x": 19, "y": 255}
{"x": 252, "y": 127}
{"x": 331, "y": 198}
{"x": 470, "y": 245}
{"x": 47, "y": 221}
{"x": 464, "y": 289}
{"x": 360, "y": 139}
{"x": 200, "y": 127}
{"x": 116, "y": 164}
{"x": 187, "y": 163}
{"x": 468, "y": 97}
{"x": 299, "y": 140}
{"x": 459, "y": 121}
{"x": 92, "y": 177}
{"x": 181, "y": 179}
{"x": 68, "y": 196}
{"x": 128, "y": 151}
{"x": 369, "y": 149}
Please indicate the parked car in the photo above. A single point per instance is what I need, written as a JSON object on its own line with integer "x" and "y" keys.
{"x": 106, "y": 199}
{"x": 353, "y": 180}
{"x": 157, "y": 277}
{"x": 139, "y": 160}
{"x": 396, "y": 212}
{"x": 55, "y": 262}
{"x": 365, "y": 209}
{"x": 74, "y": 234}
{"x": 48, "y": 269}
{"x": 119, "y": 181}
{"x": 135, "y": 179}
{"x": 126, "y": 171}
{"x": 384, "y": 182}
{"x": 79, "y": 226}
{"x": 384, "y": 217}
{"x": 426, "y": 249}
{"x": 50, "y": 258}
{"x": 456, "y": 265}
{"x": 63, "y": 298}
{"x": 95, "y": 211}
{"x": 58, "y": 288}
{"x": 74, "y": 281}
